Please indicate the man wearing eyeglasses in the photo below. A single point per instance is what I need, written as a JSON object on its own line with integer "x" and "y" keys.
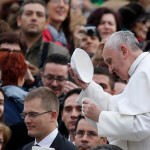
{"x": 55, "y": 75}
{"x": 86, "y": 135}
{"x": 41, "y": 108}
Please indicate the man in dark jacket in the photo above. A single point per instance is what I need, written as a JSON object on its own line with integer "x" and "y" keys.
{"x": 41, "y": 108}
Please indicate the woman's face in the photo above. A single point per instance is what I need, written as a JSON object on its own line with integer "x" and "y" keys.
{"x": 57, "y": 11}
{"x": 107, "y": 26}
{"x": 1, "y": 104}
{"x": 141, "y": 29}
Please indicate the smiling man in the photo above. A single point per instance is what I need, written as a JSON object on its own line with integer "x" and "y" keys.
{"x": 55, "y": 75}
{"x": 41, "y": 108}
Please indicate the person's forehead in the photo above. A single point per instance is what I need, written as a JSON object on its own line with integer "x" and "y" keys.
{"x": 10, "y": 46}
{"x": 55, "y": 66}
{"x": 71, "y": 100}
{"x": 101, "y": 77}
{"x": 34, "y": 7}
{"x": 107, "y": 52}
{"x": 90, "y": 36}
{"x": 84, "y": 125}
{"x": 33, "y": 104}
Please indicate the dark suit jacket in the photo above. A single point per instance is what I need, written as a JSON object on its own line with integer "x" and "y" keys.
{"x": 59, "y": 143}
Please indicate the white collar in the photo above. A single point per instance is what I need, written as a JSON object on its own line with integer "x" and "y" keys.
{"x": 48, "y": 140}
{"x": 136, "y": 63}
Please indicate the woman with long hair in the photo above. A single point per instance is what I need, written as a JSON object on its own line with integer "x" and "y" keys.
{"x": 58, "y": 29}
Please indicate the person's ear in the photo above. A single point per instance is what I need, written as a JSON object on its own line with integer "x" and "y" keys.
{"x": 19, "y": 21}
{"x": 104, "y": 140}
{"x": 54, "y": 116}
{"x": 124, "y": 51}
{"x": 41, "y": 74}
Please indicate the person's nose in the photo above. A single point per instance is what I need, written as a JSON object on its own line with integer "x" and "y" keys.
{"x": 54, "y": 83}
{"x": 147, "y": 24}
{"x": 85, "y": 138}
{"x": 74, "y": 113}
{"x": 27, "y": 119}
{"x": 34, "y": 16}
{"x": 61, "y": 3}
{"x": 110, "y": 69}
{"x": 106, "y": 26}
{"x": 89, "y": 40}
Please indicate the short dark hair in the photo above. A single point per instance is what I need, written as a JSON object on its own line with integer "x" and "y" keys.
{"x": 11, "y": 38}
{"x": 107, "y": 147}
{"x": 71, "y": 92}
{"x": 105, "y": 71}
{"x": 25, "y": 2}
{"x": 57, "y": 59}
{"x": 48, "y": 98}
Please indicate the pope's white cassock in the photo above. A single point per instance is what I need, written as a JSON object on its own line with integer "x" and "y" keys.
{"x": 125, "y": 118}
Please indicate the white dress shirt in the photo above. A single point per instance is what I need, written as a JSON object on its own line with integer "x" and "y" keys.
{"x": 48, "y": 140}
{"x": 125, "y": 117}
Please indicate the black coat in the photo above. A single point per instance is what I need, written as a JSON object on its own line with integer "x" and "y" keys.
{"x": 59, "y": 143}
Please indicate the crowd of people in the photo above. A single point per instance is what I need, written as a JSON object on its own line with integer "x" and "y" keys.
{"x": 43, "y": 103}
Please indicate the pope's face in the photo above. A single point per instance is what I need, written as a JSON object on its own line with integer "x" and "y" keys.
{"x": 116, "y": 63}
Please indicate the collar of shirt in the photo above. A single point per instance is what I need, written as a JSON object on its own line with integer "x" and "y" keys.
{"x": 48, "y": 140}
{"x": 69, "y": 139}
{"x": 136, "y": 63}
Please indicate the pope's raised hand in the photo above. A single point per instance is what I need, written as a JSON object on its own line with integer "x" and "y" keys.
{"x": 80, "y": 83}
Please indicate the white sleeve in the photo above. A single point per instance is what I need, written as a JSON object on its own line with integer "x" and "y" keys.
{"x": 95, "y": 92}
{"x": 124, "y": 127}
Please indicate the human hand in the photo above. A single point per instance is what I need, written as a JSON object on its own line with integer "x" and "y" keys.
{"x": 34, "y": 70}
{"x": 90, "y": 109}
{"x": 80, "y": 83}
{"x": 69, "y": 86}
{"x": 29, "y": 77}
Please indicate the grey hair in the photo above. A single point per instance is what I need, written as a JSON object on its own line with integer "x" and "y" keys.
{"x": 122, "y": 37}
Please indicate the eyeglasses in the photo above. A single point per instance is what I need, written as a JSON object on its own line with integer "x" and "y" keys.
{"x": 90, "y": 134}
{"x": 58, "y": 1}
{"x": 59, "y": 79}
{"x": 33, "y": 114}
